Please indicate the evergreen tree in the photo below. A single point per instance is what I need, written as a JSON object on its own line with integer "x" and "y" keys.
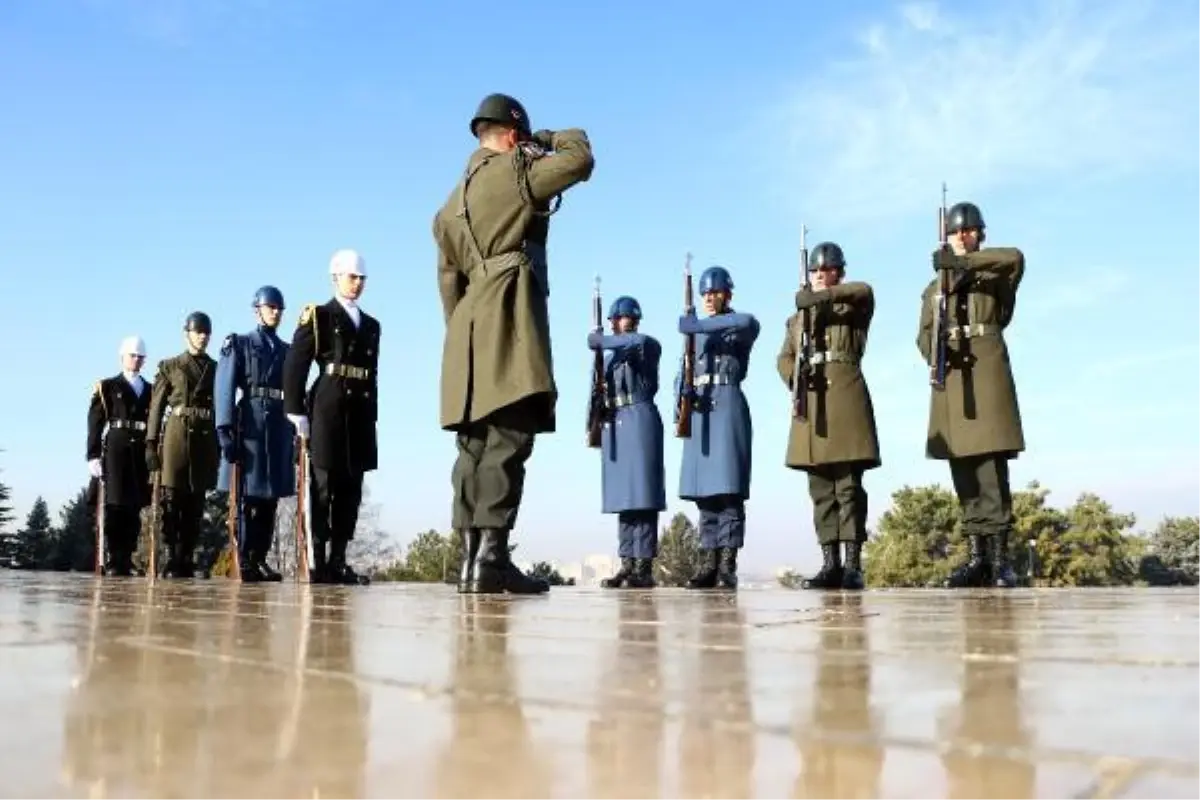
{"x": 35, "y": 541}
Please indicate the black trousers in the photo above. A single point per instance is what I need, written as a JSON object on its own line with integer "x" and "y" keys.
{"x": 258, "y": 526}
{"x": 489, "y": 473}
{"x": 981, "y": 483}
{"x": 122, "y": 525}
{"x": 183, "y": 511}
{"x": 839, "y": 502}
{"x": 336, "y": 497}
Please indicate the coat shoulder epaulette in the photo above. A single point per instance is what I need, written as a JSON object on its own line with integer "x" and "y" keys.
{"x": 308, "y": 314}
{"x": 98, "y": 393}
{"x": 229, "y": 343}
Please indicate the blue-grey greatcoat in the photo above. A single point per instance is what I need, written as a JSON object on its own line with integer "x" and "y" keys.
{"x": 716, "y": 457}
{"x": 632, "y": 471}
{"x": 253, "y": 362}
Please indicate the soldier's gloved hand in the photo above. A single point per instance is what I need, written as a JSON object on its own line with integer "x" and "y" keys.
{"x": 94, "y": 468}
{"x": 688, "y": 323}
{"x": 544, "y": 138}
{"x": 807, "y": 298}
{"x": 300, "y": 422}
{"x": 944, "y": 259}
{"x": 228, "y": 448}
{"x": 152, "y": 461}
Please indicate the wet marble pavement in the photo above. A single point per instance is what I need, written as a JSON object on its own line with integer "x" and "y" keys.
{"x": 215, "y": 689}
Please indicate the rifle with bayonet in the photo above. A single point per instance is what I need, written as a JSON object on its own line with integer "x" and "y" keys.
{"x": 596, "y": 402}
{"x": 100, "y": 542}
{"x": 937, "y": 339}
{"x": 683, "y": 411}
{"x": 233, "y": 517}
{"x": 802, "y": 366}
{"x": 302, "y": 540}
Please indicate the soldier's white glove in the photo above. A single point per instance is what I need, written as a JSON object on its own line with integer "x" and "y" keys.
{"x": 94, "y": 468}
{"x": 301, "y": 424}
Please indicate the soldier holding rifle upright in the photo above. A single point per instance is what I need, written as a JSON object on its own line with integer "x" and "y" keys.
{"x": 497, "y": 388}
{"x": 258, "y": 460}
{"x": 715, "y": 472}
{"x": 189, "y": 460}
{"x": 117, "y": 456}
{"x": 632, "y": 472}
{"x": 342, "y": 404}
{"x": 833, "y": 436}
{"x": 974, "y": 417}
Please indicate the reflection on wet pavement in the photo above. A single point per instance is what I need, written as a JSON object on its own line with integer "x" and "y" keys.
{"x": 217, "y": 689}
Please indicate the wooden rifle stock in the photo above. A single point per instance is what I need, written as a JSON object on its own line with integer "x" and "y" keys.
{"x": 683, "y": 412}
{"x": 937, "y": 339}
{"x": 595, "y": 416}
{"x": 232, "y": 518}
{"x": 802, "y": 366}
{"x": 302, "y": 565}
{"x": 155, "y": 521}
{"x": 100, "y": 526}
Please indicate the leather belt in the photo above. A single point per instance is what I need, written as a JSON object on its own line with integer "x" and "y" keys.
{"x": 348, "y": 371}
{"x": 622, "y": 400}
{"x": 833, "y": 357}
{"x": 129, "y": 424}
{"x": 971, "y": 331}
{"x": 193, "y": 412}
{"x": 266, "y": 391}
{"x": 716, "y": 380}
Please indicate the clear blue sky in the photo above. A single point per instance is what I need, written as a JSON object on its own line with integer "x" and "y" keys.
{"x": 160, "y": 157}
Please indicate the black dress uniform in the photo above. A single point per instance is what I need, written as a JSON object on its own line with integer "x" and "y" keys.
{"x": 342, "y": 406}
{"x": 121, "y": 405}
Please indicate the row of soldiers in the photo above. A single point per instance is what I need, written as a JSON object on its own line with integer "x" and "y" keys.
{"x": 240, "y": 424}
{"x": 498, "y": 392}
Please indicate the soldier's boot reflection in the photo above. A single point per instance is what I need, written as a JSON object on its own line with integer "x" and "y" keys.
{"x": 620, "y": 576}
{"x": 1002, "y": 572}
{"x": 852, "y": 576}
{"x": 495, "y": 573}
{"x": 643, "y": 574}
{"x": 976, "y": 571}
{"x": 830, "y": 575}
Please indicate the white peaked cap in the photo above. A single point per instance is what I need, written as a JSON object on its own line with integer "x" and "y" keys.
{"x": 132, "y": 346}
{"x": 347, "y": 262}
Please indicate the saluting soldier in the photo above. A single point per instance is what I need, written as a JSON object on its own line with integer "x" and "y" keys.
{"x": 975, "y": 421}
{"x": 254, "y": 432}
{"x": 631, "y": 466}
{"x": 715, "y": 473}
{"x": 497, "y": 386}
{"x": 190, "y": 456}
{"x": 343, "y": 405}
{"x": 836, "y": 442}
{"x": 116, "y": 453}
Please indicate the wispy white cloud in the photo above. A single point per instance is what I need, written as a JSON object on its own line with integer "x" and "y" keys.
{"x": 1021, "y": 92}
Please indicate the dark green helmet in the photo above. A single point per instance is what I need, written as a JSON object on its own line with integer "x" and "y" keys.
{"x": 963, "y": 216}
{"x": 503, "y": 109}
{"x": 826, "y": 254}
{"x": 198, "y": 321}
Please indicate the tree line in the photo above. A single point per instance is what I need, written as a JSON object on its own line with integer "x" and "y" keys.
{"x": 918, "y": 540}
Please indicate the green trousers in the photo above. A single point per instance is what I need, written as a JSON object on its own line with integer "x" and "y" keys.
{"x": 981, "y": 483}
{"x": 489, "y": 473}
{"x": 839, "y": 502}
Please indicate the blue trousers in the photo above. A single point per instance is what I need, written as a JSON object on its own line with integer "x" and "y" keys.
{"x": 722, "y": 521}
{"x": 637, "y": 534}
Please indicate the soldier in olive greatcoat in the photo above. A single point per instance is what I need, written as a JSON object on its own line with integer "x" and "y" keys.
{"x": 975, "y": 419}
{"x": 497, "y": 389}
{"x": 836, "y": 442}
{"x": 189, "y": 457}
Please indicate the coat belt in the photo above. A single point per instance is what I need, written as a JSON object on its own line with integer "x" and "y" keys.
{"x": 833, "y": 357}
{"x": 971, "y": 331}
{"x": 129, "y": 424}
{"x": 266, "y": 391}
{"x": 348, "y": 371}
{"x": 622, "y": 400}
{"x": 717, "y": 379}
{"x": 194, "y": 412}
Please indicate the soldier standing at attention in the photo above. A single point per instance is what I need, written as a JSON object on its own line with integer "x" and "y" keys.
{"x": 190, "y": 454}
{"x": 254, "y": 432}
{"x": 975, "y": 421}
{"x": 497, "y": 387}
{"x": 836, "y": 442}
{"x": 634, "y": 481}
{"x": 118, "y": 458}
{"x": 715, "y": 473}
{"x": 343, "y": 404}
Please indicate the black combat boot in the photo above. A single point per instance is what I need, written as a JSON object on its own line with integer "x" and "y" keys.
{"x": 262, "y": 548}
{"x": 1002, "y": 572}
{"x": 976, "y": 572}
{"x": 706, "y": 576}
{"x": 830, "y": 576}
{"x": 727, "y": 568}
{"x": 248, "y": 570}
{"x": 622, "y": 575}
{"x": 852, "y": 576}
{"x": 122, "y": 547}
{"x": 495, "y": 573}
{"x": 643, "y": 574}
{"x": 470, "y": 560}
{"x": 318, "y": 570}
{"x": 339, "y": 571}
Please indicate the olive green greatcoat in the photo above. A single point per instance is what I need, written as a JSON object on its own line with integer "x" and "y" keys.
{"x": 190, "y": 452}
{"x": 977, "y": 413}
{"x": 840, "y": 427}
{"x": 494, "y": 283}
